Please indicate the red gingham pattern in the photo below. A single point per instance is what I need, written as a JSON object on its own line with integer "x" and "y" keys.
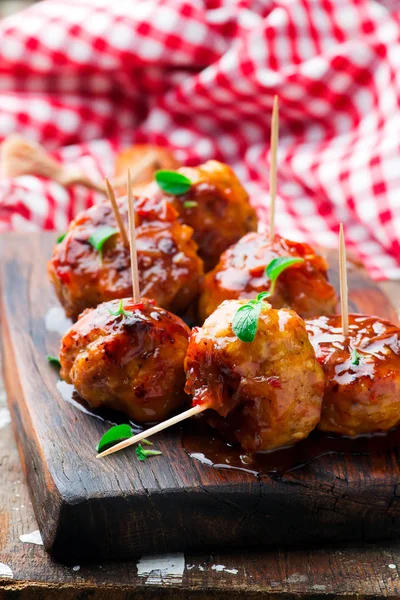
{"x": 88, "y": 77}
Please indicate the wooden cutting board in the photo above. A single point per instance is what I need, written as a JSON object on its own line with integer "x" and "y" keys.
{"x": 90, "y": 509}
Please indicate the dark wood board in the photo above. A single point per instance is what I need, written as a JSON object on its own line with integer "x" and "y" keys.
{"x": 118, "y": 508}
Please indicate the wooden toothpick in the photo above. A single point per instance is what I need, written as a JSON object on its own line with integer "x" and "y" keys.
{"x": 343, "y": 283}
{"x": 117, "y": 214}
{"x": 273, "y": 168}
{"x": 195, "y": 410}
{"x": 132, "y": 237}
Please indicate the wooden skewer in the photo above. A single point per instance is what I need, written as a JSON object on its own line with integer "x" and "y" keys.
{"x": 343, "y": 283}
{"x": 272, "y": 172}
{"x": 132, "y": 236}
{"x": 117, "y": 214}
{"x": 195, "y": 410}
{"x": 147, "y": 161}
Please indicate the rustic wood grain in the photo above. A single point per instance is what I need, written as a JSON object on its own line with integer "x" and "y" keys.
{"x": 362, "y": 570}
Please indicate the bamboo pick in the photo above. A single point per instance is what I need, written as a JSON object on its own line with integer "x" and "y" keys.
{"x": 195, "y": 410}
{"x": 273, "y": 169}
{"x": 132, "y": 236}
{"x": 117, "y": 214}
{"x": 344, "y": 303}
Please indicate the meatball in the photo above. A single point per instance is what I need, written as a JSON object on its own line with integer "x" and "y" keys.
{"x": 266, "y": 393}
{"x": 216, "y": 206}
{"x": 132, "y": 362}
{"x": 362, "y": 384}
{"x": 168, "y": 265}
{"x": 240, "y": 273}
{"x": 131, "y": 157}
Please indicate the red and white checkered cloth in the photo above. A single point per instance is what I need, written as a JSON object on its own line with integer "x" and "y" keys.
{"x": 88, "y": 77}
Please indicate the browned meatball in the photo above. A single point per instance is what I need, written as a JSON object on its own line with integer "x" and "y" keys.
{"x": 362, "y": 384}
{"x": 221, "y": 213}
{"x": 131, "y": 157}
{"x": 240, "y": 273}
{"x": 168, "y": 265}
{"x": 268, "y": 392}
{"x": 132, "y": 362}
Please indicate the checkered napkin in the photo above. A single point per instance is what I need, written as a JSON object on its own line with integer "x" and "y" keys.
{"x": 88, "y": 77}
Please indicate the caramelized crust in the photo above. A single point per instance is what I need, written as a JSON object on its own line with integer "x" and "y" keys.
{"x": 264, "y": 394}
{"x": 222, "y": 214}
{"x": 359, "y": 398}
{"x": 168, "y": 264}
{"x": 130, "y": 363}
{"x": 131, "y": 157}
{"x": 240, "y": 273}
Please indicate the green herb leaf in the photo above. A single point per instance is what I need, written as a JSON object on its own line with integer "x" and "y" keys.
{"x": 245, "y": 321}
{"x": 116, "y": 434}
{"x": 100, "y": 236}
{"x": 355, "y": 357}
{"x": 146, "y": 442}
{"x": 278, "y": 265}
{"x": 172, "y": 182}
{"x": 53, "y": 360}
{"x": 120, "y": 311}
{"x": 61, "y": 237}
{"x": 143, "y": 454}
{"x": 190, "y": 204}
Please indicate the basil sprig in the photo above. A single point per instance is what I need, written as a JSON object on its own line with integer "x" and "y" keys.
{"x": 119, "y": 433}
{"x": 278, "y": 265}
{"x": 143, "y": 454}
{"x": 100, "y": 236}
{"x": 120, "y": 311}
{"x": 245, "y": 321}
{"x": 355, "y": 357}
{"x": 172, "y": 182}
{"x": 53, "y": 360}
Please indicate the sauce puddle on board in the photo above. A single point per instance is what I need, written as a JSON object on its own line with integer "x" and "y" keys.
{"x": 113, "y": 417}
{"x": 203, "y": 443}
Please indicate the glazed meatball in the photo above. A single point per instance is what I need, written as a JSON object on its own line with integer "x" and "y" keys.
{"x": 266, "y": 393}
{"x": 132, "y": 362}
{"x": 168, "y": 265}
{"x": 240, "y": 273}
{"x": 362, "y": 385}
{"x": 131, "y": 157}
{"x": 216, "y": 206}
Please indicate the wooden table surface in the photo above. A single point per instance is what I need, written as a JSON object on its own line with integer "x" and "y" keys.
{"x": 369, "y": 570}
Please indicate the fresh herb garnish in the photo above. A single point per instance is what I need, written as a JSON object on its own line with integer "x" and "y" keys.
{"x": 100, "y": 236}
{"x": 61, "y": 237}
{"x": 245, "y": 321}
{"x": 277, "y": 266}
{"x": 355, "y": 357}
{"x": 119, "y": 433}
{"x": 143, "y": 454}
{"x": 172, "y": 182}
{"x": 120, "y": 311}
{"x": 190, "y": 204}
{"x": 53, "y": 360}
{"x": 116, "y": 434}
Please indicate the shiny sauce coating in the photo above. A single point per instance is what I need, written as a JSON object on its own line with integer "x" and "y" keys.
{"x": 362, "y": 373}
{"x": 168, "y": 265}
{"x": 131, "y": 362}
{"x": 240, "y": 273}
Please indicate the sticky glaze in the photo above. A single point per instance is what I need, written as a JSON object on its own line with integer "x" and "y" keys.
{"x": 168, "y": 266}
{"x": 241, "y": 273}
{"x": 132, "y": 362}
{"x": 359, "y": 398}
